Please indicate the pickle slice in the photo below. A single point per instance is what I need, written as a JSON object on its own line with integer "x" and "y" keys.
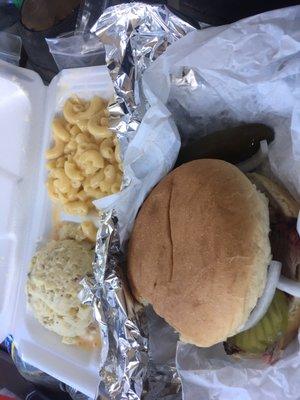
{"x": 269, "y": 329}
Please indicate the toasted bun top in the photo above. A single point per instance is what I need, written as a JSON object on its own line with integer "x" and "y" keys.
{"x": 199, "y": 250}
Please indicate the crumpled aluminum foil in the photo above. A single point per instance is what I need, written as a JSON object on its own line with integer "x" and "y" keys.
{"x": 124, "y": 349}
{"x": 134, "y": 35}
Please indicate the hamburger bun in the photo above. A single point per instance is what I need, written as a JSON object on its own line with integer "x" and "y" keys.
{"x": 199, "y": 250}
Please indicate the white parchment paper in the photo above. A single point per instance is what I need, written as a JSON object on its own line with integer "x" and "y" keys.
{"x": 245, "y": 72}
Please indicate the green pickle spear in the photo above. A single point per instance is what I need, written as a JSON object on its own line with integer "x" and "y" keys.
{"x": 267, "y": 331}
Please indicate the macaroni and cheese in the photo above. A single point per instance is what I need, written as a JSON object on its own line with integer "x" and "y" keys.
{"x": 84, "y": 164}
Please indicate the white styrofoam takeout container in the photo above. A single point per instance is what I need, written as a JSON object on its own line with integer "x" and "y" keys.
{"x": 26, "y": 110}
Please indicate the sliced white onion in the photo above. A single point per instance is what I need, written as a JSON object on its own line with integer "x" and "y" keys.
{"x": 265, "y": 299}
{"x": 254, "y": 162}
{"x": 289, "y": 286}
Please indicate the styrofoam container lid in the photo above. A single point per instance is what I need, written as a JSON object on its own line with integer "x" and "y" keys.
{"x": 26, "y": 110}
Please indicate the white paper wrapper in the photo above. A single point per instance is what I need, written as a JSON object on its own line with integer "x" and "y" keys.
{"x": 210, "y": 374}
{"x": 245, "y": 72}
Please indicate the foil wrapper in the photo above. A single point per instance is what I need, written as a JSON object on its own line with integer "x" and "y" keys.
{"x": 124, "y": 350}
{"x": 134, "y": 35}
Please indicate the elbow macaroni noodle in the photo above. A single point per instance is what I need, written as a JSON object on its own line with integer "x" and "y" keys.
{"x": 84, "y": 164}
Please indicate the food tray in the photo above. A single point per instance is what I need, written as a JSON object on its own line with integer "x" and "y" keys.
{"x": 26, "y": 111}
